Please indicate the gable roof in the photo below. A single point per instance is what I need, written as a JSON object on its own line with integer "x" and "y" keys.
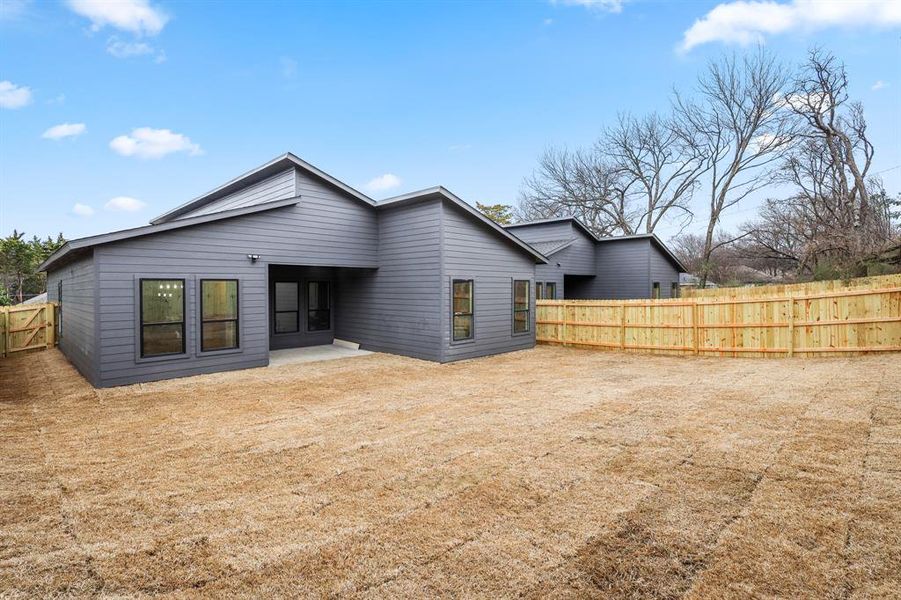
{"x": 276, "y": 165}
{"x": 540, "y": 222}
{"x": 73, "y": 248}
{"x": 654, "y": 240}
{"x": 552, "y": 246}
{"x": 639, "y": 236}
{"x": 444, "y": 193}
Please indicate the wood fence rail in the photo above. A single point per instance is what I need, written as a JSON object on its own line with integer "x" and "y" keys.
{"x": 846, "y": 322}
{"x": 27, "y": 327}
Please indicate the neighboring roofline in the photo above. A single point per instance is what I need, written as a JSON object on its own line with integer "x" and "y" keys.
{"x": 126, "y": 234}
{"x": 575, "y": 220}
{"x": 448, "y": 195}
{"x": 653, "y": 237}
{"x": 286, "y": 160}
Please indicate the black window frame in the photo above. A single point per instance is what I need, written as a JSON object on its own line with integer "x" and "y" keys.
{"x": 539, "y": 290}
{"x": 470, "y": 314}
{"x": 655, "y": 290}
{"x": 237, "y": 319}
{"x": 184, "y": 316}
{"x": 527, "y": 310}
{"x": 328, "y": 287}
{"x": 59, "y": 310}
{"x": 276, "y": 312}
{"x": 674, "y": 289}
{"x": 548, "y": 286}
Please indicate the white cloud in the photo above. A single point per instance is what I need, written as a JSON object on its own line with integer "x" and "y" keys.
{"x": 383, "y": 183}
{"x": 14, "y": 96}
{"x": 145, "y": 142}
{"x": 743, "y": 22}
{"x": 59, "y": 99}
{"x": 121, "y": 49}
{"x": 82, "y": 210}
{"x": 124, "y": 204}
{"x": 879, "y": 85}
{"x": 136, "y": 16}
{"x": 611, "y": 6}
{"x": 58, "y": 132}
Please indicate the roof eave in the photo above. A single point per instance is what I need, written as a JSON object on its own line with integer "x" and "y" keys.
{"x": 446, "y": 194}
{"x": 127, "y": 234}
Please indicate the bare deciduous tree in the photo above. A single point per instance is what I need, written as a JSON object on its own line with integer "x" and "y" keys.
{"x": 657, "y": 169}
{"x": 580, "y": 184}
{"x": 739, "y": 127}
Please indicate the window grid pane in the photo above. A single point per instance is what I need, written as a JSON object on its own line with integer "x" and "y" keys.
{"x": 162, "y": 317}
{"x": 462, "y": 309}
{"x": 319, "y": 314}
{"x": 521, "y": 306}
{"x": 551, "y": 291}
{"x": 287, "y": 307}
{"x": 219, "y": 314}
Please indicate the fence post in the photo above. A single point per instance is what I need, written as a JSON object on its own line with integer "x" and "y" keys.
{"x": 50, "y": 325}
{"x": 4, "y": 325}
{"x": 564, "y": 323}
{"x": 791, "y": 326}
{"x": 694, "y": 324}
{"x": 622, "y": 327}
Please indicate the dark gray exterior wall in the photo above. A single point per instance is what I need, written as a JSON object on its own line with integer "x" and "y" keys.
{"x": 577, "y": 259}
{"x": 662, "y": 270}
{"x": 390, "y": 268}
{"x": 396, "y": 308}
{"x": 470, "y": 251}
{"x": 326, "y": 228}
{"x": 301, "y": 276}
{"x": 78, "y": 339}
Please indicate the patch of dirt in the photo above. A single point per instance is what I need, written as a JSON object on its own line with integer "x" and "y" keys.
{"x": 549, "y": 472}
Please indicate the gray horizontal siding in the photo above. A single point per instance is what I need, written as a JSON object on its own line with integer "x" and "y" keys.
{"x": 551, "y": 272}
{"x": 397, "y": 307}
{"x": 326, "y": 228}
{"x": 470, "y": 251}
{"x": 663, "y": 271}
{"x": 78, "y": 341}
{"x": 277, "y": 187}
{"x": 622, "y": 271}
{"x": 579, "y": 258}
{"x": 544, "y": 232}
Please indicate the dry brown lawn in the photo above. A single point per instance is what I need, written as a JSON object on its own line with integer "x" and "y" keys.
{"x": 551, "y": 472}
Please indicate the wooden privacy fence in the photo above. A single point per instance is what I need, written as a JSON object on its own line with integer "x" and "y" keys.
{"x": 27, "y": 327}
{"x": 795, "y": 289}
{"x": 846, "y": 322}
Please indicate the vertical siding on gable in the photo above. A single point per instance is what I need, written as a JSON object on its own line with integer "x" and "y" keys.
{"x": 78, "y": 307}
{"x": 472, "y": 251}
{"x": 396, "y": 308}
{"x": 277, "y": 187}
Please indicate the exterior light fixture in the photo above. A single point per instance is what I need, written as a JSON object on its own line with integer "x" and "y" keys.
{"x": 253, "y": 257}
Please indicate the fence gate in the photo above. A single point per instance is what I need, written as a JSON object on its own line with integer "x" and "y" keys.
{"x": 27, "y": 327}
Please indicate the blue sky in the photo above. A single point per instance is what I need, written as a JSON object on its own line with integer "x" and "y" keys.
{"x": 176, "y": 98}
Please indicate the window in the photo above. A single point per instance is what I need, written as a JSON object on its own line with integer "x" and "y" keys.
{"x": 521, "y": 306}
{"x": 539, "y": 290}
{"x": 218, "y": 314}
{"x": 287, "y": 307}
{"x": 674, "y": 289}
{"x": 462, "y": 309}
{"x": 162, "y": 317}
{"x": 550, "y": 290}
{"x": 655, "y": 291}
{"x": 59, "y": 310}
{"x": 319, "y": 314}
